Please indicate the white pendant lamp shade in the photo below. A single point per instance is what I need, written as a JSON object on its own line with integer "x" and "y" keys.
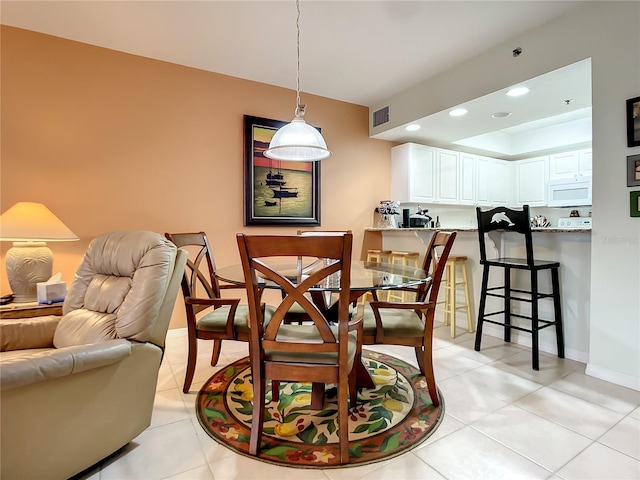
{"x": 297, "y": 141}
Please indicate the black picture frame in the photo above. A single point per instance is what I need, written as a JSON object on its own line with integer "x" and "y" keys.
{"x": 633, "y": 122}
{"x": 634, "y": 201}
{"x": 277, "y": 193}
{"x": 633, "y": 171}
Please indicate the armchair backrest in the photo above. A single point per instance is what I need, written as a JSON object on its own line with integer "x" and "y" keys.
{"x": 125, "y": 287}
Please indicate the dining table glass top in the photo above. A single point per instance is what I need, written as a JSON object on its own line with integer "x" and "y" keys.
{"x": 364, "y": 275}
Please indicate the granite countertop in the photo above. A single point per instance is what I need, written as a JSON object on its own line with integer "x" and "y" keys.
{"x": 474, "y": 229}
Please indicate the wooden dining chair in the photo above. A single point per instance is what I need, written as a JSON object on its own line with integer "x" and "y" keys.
{"x": 411, "y": 323}
{"x": 318, "y": 352}
{"x": 223, "y": 318}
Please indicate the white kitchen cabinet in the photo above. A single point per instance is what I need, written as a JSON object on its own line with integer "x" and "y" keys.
{"x": 531, "y": 181}
{"x": 570, "y": 164}
{"x": 447, "y": 177}
{"x": 585, "y": 162}
{"x": 483, "y": 181}
{"x": 413, "y": 173}
{"x": 467, "y": 179}
{"x": 501, "y": 182}
{"x": 494, "y": 182}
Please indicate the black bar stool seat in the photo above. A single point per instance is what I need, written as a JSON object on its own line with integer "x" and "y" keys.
{"x": 517, "y": 221}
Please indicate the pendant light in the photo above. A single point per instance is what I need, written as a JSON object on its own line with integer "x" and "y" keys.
{"x": 297, "y": 141}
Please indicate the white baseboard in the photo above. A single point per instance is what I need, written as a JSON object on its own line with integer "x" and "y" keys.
{"x": 613, "y": 377}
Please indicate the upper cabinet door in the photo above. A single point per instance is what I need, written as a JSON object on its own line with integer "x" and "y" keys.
{"x": 564, "y": 165}
{"x": 483, "y": 181}
{"x": 467, "y": 173}
{"x": 501, "y": 182}
{"x": 531, "y": 181}
{"x": 447, "y": 176}
{"x": 413, "y": 173}
{"x": 570, "y": 164}
{"x": 585, "y": 164}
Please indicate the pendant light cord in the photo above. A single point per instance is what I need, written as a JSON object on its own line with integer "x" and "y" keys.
{"x": 299, "y": 108}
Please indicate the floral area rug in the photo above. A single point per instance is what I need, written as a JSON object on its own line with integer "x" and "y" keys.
{"x": 389, "y": 420}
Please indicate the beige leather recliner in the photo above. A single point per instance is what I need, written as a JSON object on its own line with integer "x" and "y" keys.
{"x": 76, "y": 388}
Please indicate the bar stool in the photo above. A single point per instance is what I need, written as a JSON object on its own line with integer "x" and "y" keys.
{"x": 517, "y": 221}
{"x": 377, "y": 256}
{"x": 405, "y": 259}
{"x": 450, "y": 287}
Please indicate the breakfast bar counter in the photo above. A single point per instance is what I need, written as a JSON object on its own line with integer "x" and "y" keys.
{"x": 472, "y": 229}
{"x": 569, "y": 246}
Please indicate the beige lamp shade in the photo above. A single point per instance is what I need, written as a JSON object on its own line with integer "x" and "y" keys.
{"x": 28, "y": 221}
{"x": 29, "y": 225}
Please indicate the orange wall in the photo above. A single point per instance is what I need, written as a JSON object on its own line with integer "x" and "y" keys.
{"x": 112, "y": 141}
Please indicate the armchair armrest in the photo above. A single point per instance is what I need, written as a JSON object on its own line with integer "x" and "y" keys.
{"x": 420, "y": 308}
{"x": 20, "y": 368}
{"x": 35, "y": 332}
{"x": 403, "y": 305}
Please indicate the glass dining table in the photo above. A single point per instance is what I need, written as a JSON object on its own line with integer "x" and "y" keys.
{"x": 365, "y": 277}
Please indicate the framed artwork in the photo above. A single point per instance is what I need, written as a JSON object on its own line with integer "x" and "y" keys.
{"x": 633, "y": 171}
{"x": 633, "y": 122}
{"x": 275, "y": 192}
{"x": 635, "y": 203}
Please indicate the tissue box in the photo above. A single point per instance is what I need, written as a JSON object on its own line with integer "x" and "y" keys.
{"x": 51, "y": 292}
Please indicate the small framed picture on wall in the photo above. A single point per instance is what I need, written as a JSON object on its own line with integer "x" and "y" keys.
{"x": 633, "y": 122}
{"x": 633, "y": 171}
{"x": 635, "y": 203}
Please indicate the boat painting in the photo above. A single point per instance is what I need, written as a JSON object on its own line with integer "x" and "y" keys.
{"x": 275, "y": 179}
{"x": 277, "y": 192}
{"x": 285, "y": 192}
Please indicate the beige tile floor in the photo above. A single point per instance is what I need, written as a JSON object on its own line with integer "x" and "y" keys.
{"x": 503, "y": 420}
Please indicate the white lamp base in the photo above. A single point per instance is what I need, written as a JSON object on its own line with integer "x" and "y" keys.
{"x": 27, "y": 264}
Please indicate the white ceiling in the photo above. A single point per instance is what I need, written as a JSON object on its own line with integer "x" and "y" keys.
{"x": 555, "y": 115}
{"x": 360, "y": 52}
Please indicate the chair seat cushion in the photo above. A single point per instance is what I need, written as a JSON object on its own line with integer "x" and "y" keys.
{"x": 216, "y": 320}
{"x": 24, "y": 367}
{"x": 396, "y": 322}
{"x": 309, "y": 334}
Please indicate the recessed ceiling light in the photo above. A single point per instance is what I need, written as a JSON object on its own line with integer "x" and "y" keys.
{"x": 500, "y": 114}
{"x": 412, "y": 127}
{"x": 517, "y": 91}
{"x": 458, "y": 112}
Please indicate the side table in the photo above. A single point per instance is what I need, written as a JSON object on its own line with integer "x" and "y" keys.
{"x": 29, "y": 309}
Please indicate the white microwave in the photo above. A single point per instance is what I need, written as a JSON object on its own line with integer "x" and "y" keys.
{"x": 569, "y": 192}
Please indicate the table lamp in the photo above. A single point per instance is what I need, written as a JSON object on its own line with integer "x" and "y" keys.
{"x": 30, "y": 225}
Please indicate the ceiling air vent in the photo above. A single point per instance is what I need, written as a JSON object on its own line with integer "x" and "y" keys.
{"x": 381, "y": 116}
